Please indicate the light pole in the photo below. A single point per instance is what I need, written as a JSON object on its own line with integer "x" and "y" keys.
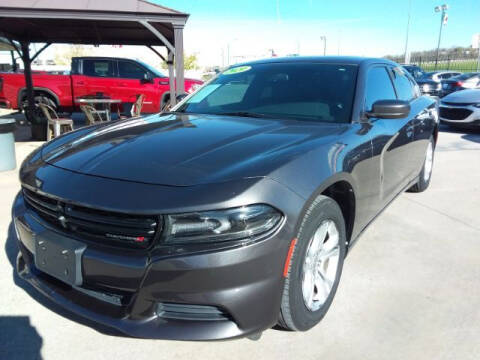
{"x": 228, "y": 50}
{"x": 443, "y": 18}
{"x": 324, "y": 39}
{"x": 406, "y": 57}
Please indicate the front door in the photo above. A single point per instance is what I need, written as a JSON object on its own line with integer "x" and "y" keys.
{"x": 391, "y": 139}
{"x": 134, "y": 80}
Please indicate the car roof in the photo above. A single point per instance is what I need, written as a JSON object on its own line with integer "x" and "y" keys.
{"x": 352, "y": 60}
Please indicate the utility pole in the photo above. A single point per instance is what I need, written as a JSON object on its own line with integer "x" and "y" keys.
{"x": 443, "y": 21}
{"x": 406, "y": 55}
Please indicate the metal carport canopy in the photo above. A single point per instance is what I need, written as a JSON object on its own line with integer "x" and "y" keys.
{"x": 127, "y": 22}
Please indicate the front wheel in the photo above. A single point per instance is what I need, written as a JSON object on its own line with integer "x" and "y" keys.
{"x": 426, "y": 172}
{"x": 316, "y": 266}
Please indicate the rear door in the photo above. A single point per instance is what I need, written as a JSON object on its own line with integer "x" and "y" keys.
{"x": 134, "y": 79}
{"x": 97, "y": 79}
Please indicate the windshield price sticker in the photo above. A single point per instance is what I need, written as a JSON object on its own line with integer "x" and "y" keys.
{"x": 236, "y": 70}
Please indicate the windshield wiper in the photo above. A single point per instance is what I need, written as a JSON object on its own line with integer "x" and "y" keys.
{"x": 246, "y": 114}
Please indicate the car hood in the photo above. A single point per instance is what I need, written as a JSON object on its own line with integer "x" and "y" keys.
{"x": 464, "y": 96}
{"x": 183, "y": 150}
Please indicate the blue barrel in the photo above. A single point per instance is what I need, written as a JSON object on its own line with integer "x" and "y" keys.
{"x": 7, "y": 145}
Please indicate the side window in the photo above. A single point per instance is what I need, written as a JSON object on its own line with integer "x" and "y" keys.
{"x": 403, "y": 85}
{"x": 130, "y": 70}
{"x": 99, "y": 68}
{"x": 379, "y": 86}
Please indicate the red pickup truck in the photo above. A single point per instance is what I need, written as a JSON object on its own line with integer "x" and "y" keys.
{"x": 112, "y": 77}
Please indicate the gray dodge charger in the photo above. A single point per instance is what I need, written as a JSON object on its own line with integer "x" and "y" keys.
{"x": 233, "y": 212}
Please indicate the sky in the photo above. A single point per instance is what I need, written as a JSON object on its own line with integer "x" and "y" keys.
{"x": 249, "y": 29}
{"x": 368, "y": 28}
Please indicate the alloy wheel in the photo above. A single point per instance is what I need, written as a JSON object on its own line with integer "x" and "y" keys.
{"x": 320, "y": 265}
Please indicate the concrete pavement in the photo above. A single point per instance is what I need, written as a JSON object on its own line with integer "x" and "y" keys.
{"x": 410, "y": 288}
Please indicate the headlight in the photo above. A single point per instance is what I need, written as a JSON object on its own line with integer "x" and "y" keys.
{"x": 477, "y": 105}
{"x": 439, "y": 86}
{"x": 426, "y": 87}
{"x": 239, "y": 223}
{"x": 194, "y": 88}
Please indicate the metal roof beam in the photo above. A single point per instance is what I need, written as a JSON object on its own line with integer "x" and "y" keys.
{"x": 158, "y": 34}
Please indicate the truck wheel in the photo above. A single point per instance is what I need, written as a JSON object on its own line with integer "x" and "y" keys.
{"x": 426, "y": 173}
{"x": 38, "y": 113}
{"x": 165, "y": 103}
{"x": 315, "y": 267}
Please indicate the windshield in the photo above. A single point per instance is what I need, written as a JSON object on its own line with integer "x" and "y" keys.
{"x": 415, "y": 71}
{"x": 428, "y": 75}
{"x": 299, "y": 90}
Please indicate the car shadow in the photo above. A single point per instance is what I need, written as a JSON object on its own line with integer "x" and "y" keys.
{"x": 474, "y": 137}
{"x": 472, "y": 134}
{"x": 11, "y": 250}
{"x": 19, "y": 339}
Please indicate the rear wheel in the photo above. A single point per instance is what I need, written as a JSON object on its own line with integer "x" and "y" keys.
{"x": 37, "y": 119}
{"x": 426, "y": 173}
{"x": 316, "y": 266}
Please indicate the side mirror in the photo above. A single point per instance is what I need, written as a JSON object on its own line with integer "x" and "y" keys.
{"x": 147, "y": 78}
{"x": 180, "y": 97}
{"x": 389, "y": 109}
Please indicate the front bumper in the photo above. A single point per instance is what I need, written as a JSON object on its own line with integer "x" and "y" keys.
{"x": 472, "y": 118}
{"x": 244, "y": 284}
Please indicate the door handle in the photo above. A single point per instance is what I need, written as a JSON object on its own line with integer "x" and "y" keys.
{"x": 122, "y": 84}
{"x": 80, "y": 83}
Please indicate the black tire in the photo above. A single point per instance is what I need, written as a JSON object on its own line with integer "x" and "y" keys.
{"x": 37, "y": 117}
{"x": 422, "y": 183}
{"x": 165, "y": 103}
{"x": 294, "y": 314}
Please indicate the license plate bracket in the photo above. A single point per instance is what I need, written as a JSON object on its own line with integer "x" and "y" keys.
{"x": 60, "y": 257}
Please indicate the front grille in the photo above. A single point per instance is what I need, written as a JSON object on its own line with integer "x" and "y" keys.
{"x": 454, "y": 113}
{"x": 191, "y": 312}
{"x": 105, "y": 227}
{"x": 456, "y": 104}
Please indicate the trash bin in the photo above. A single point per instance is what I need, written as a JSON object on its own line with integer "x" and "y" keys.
{"x": 7, "y": 145}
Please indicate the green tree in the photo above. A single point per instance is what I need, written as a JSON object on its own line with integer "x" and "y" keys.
{"x": 65, "y": 57}
{"x": 190, "y": 62}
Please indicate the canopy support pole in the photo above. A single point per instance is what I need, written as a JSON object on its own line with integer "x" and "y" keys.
{"x": 157, "y": 34}
{"x": 40, "y": 51}
{"x": 156, "y": 52}
{"x": 14, "y": 62}
{"x": 27, "y": 63}
{"x": 179, "y": 64}
{"x": 171, "y": 75}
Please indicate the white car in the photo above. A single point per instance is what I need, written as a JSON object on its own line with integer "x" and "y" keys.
{"x": 461, "y": 108}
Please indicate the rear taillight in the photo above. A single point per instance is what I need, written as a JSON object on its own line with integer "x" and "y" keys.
{"x": 458, "y": 84}
{"x": 1, "y": 84}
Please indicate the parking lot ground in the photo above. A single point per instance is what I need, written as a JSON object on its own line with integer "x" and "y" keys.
{"x": 410, "y": 287}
